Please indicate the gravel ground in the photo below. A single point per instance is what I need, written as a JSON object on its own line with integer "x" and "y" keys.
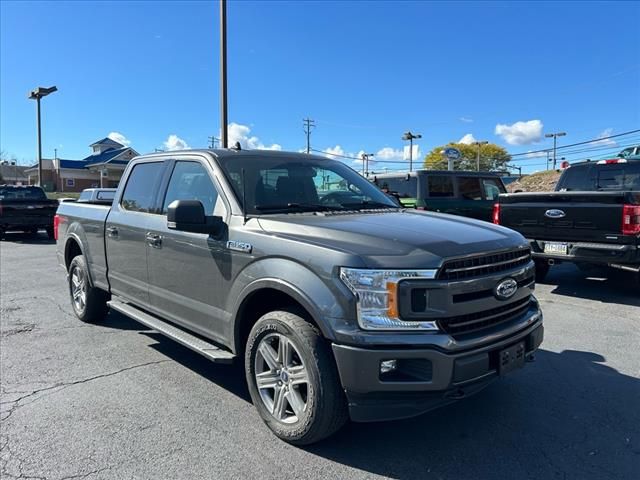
{"x": 120, "y": 401}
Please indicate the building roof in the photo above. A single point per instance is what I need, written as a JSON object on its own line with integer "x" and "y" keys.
{"x": 108, "y": 156}
{"x": 107, "y": 141}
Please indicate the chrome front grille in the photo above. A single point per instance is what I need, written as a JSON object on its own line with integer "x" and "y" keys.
{"x": 484, "y": 265}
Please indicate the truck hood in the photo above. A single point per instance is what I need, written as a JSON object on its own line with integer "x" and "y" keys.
{"x": 403, "y": 239}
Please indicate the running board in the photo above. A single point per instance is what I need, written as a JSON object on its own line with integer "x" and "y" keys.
{"x": 197, "y": 344}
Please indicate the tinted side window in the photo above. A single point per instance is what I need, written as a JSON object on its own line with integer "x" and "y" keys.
{"x": 470, "y": 188}
{"x": 400, "y": 185}
{"x": 492, "y": 188}
{"x": 190, "y": 181}
{"x": 142, "y": 186}
{"x": 579, "y": 178}
{"x": 440, "y": 186}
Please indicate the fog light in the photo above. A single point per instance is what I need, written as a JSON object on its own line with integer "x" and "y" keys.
{"x": 387, "y": 366}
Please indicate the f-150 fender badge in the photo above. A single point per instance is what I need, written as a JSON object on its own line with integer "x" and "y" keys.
{"x": 239, "y": 246}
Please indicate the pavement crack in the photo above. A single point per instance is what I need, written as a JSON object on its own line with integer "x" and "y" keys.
{"x": 62, "y": 385}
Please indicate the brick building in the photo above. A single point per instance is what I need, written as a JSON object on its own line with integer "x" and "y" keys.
{"x": 103, "y": 168}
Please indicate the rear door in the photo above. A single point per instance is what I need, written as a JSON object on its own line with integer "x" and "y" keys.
{"x": 440, "y": 193}
{"x": 187, "y": 270}
{"x": 126, "y": 229}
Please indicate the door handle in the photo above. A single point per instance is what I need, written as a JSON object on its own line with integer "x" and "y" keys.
{"x": 154, "y": 240}
{"x": 112, "y": 232}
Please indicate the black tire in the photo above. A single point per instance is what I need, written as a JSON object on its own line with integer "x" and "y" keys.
{"x": 325, "y": 411}
{"x": 542, "y": 269}
{"x": 50, "y": 233}
{"x": 94, "y": 307}
{"x": 1, "y": 234}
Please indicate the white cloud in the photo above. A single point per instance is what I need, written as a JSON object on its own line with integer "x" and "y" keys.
{"x": 242, "y": 133}
{"x": 466, "y": 119}
{"x": 332, "y": 152}
{"x": 174, "y": 142}
{"x": 468, "y": 139}
{"x": 610, "y": 142}
{"x": 120, "y": 138}
{"x": 520, "y": 133}
{"x": 531, "y": 154}
{"x": 389, "y": 154}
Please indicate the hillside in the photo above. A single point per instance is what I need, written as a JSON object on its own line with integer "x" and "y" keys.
{"x": 536, "y": 182}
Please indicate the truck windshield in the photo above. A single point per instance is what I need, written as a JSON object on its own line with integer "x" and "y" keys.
{"x": 295, "y": 184}
{"x": 24, "y": 193}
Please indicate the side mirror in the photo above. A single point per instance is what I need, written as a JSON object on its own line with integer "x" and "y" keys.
{"x": 188, "y": 216}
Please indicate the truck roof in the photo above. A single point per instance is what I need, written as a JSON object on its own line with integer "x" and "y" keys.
{"x": 231, "y": 152}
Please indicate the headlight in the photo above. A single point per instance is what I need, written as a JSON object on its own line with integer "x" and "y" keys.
{"x": 376, "y": 293}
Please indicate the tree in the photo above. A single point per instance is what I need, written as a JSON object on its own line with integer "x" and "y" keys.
{"x": 492, "y": 157}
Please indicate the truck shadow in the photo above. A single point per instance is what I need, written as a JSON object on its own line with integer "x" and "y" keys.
{"x": 39, "y": 238}
{"x": 607, "y": 286}
{"x": 566, "y": 416}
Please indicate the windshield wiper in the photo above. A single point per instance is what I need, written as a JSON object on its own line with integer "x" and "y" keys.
{"x": 303, "y": 207}
{"x": 365, "y": 204}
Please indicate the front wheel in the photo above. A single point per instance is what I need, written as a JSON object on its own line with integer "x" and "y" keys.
{"x": 89, "y": 303}
{"x": 293, "y": 379}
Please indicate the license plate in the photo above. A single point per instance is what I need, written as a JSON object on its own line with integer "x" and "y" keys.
{"x": 511, "y": 358}
{"x": 556, "y": 247}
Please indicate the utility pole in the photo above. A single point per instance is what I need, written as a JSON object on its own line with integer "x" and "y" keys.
{"x": 365, "y": 163}
{"x": 212, "y": 141}
{"x": 555, "y": 139}
{"x": 479, "y": 145}
{"x": 410, "y": 136}
{"x": 223, "y": 73}
{"x": 308, "y": 126}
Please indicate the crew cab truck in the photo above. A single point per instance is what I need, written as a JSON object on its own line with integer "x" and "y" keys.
{"x": 27, "y": 209}
{"x": 339, "y": 302}
{"x": 470, "y": 194}
{"x": 592, "y": 219}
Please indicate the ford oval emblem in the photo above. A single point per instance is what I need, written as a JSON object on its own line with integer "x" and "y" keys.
{"x": 554, "y": 213}
{"x": 506, "y": 289}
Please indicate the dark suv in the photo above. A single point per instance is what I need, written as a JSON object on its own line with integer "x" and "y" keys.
{"x": 470, "y": 194}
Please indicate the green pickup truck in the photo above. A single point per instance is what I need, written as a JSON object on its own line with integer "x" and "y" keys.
{"x": 470, "y": 194}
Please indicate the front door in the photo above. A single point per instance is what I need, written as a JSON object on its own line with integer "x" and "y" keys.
{"x": 125, "y": 233}
{"x": 186, "y": 270}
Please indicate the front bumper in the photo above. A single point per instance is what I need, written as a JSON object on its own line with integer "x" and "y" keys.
{"x": 590, "y": 252}
{"x": 435, "y": 377}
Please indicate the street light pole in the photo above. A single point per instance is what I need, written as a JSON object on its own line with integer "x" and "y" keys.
{"x": 555, "y": 139}
{"x": 410, "y": 136}
{"x": 223, "y": 73}
{"x": 36, "y": 95}
{"x": 479, "y": 144}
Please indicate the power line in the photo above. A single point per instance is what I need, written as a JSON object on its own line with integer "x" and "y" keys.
{"x": 579, "y": 143}
{"x": 212, "y": 141}
{"x": 308, "y": 126}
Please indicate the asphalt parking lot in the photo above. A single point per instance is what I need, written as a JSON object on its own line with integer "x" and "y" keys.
{"x": 120, "y": 401}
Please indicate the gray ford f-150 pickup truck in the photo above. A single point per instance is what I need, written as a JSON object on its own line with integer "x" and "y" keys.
{"x": 341, "y": 303}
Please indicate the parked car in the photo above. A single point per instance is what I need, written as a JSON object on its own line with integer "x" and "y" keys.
{"x": 97, "y": 195}
{"x": 339, "y": 302}
{"x": 26, "y": 208}
{"x": 592, "y": 219}
{"x": 470, "y": 194}
{"x": 630, "y": 153}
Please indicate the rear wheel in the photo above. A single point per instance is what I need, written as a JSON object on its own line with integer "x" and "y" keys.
{"x": 542, "y": 269}
{"x": 293, "y": 379}
{"x": 89, "y": 303}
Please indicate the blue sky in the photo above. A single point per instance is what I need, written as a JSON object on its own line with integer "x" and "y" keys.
{"x": 365, "y": 71}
